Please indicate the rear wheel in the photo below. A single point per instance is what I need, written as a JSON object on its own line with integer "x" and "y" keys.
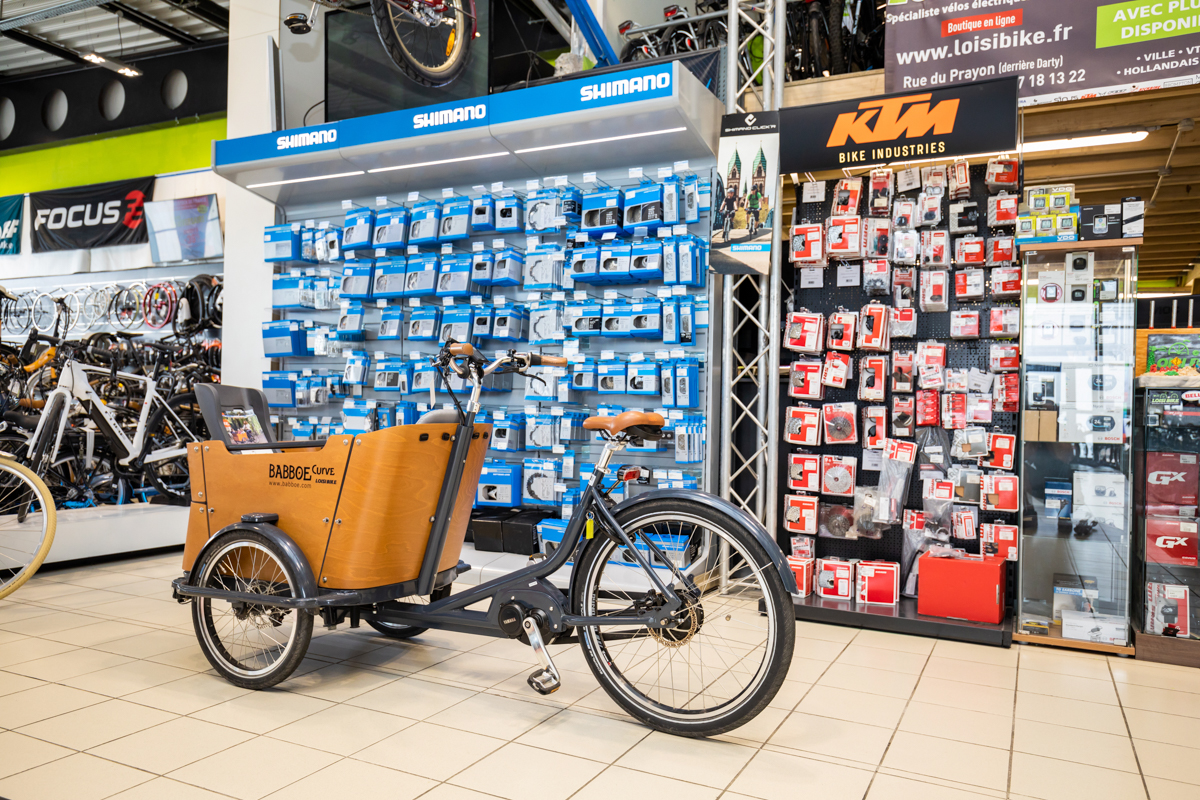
{"x": 396, "y": 630}
{"x": 429, "y": 42}
{"x": 252, "y": 645}
{"x": 723, "y": 660}
{"x": 27, "y": 524}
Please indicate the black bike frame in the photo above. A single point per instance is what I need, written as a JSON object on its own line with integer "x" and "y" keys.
{"x": 451, "y": 613}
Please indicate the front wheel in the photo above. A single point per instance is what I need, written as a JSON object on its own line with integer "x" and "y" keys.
{"x": 252, "y": 645}
{"x": 729, "y": 650}
{"x": 165, "y": 453}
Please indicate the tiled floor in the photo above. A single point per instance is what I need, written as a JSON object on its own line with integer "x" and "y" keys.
{"x": 104, "y": 693}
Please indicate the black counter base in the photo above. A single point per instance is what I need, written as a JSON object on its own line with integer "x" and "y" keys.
{"x": 902, "y": 618}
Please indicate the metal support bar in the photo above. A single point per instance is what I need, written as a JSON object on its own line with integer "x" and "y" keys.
{"x": 658, "y": 26}
{"x": 206, "y": 11}
{"x": 62, "y": 9}
{"x": 555, "y": 19}
{"x": 601, "y": 47}
{"x": 45, "y": 46}
{"x": 150, "y": 23}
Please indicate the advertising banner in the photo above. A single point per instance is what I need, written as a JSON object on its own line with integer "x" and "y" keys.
{"x": 935, "y": 123}
{"x": 1061, "y": 50}
{"x": 10, "y": 224}
{"x": 100, "y": 215}
{"x": 745, "y": 193}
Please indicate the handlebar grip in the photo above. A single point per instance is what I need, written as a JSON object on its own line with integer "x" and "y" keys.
{"x": 461, "y": 350}
{"x": 539, "y": 360}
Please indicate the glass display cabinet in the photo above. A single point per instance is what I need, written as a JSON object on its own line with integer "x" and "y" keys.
{"x": 1077, "y": 343}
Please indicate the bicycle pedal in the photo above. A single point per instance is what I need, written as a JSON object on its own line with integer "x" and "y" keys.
{"x": 544, "y": 682}
{"x": 537, "y": 557}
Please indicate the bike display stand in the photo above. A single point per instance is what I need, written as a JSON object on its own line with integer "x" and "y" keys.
{"x": 614, "y": 129}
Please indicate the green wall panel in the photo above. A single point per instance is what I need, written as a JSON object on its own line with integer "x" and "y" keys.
{"x": 149, "y": 152}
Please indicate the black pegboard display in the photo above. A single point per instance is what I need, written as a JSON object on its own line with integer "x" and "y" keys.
{"x": 960, "y": 354}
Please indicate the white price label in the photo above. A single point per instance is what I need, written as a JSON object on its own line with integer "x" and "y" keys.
{"x": 448, "y": 192}
{"x": 381, "y": 200}
{"x": 414, "y": 197}
{"x": 635, "y": 172}
{"x": 812, "y": 278}
{"x": 813, "y": 192}
{"x": 589, "y": 177}
{"x": 681, "y": 166}
{"x": 664, "y": 172}
{"x": 849, "y": 274}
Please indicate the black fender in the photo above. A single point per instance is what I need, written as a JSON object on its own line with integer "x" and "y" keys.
{"x": 289, "y": 551}
{"x": 727, "y": 508}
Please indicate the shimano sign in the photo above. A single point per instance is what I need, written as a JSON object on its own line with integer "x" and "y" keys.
{"x": 450, "y": 115}
{"x": 306, "y": 139}
{"x": 646, "y": 83}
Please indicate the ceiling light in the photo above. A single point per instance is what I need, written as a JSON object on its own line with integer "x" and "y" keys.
{"x": 599, "y": 141}
{"x": 304, "y": 180}
{"x": 436, "y": 163}
{"x": 1129, "y": 137}
{"x": 95, "y": 58}
{"x": 116, "y": 65}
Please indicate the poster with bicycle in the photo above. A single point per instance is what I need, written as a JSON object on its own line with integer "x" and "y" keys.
{"x": 10, "y": 224}
{"x": 1064, "y": 50}
{"x": 745, "y": 190}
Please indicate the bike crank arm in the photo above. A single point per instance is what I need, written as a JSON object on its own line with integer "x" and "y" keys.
{"x": 545, "y": 680}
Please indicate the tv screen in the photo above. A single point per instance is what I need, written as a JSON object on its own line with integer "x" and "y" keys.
{"x": 360, "y": 79}
{"x": 184, "y": 229}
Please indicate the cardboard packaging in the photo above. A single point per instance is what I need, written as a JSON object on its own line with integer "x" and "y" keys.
{"x": 1172, "y": 478}
{"x": 877, "y": 582}
{"x": 835, "y": 578}
{"x": 1073, "y": 593}
{"x": 1097, "y": 425}
{"x": 1171, "y": 541}
{"x": 802, "y": 568}
{"x": 1106, "y": 489}
{"x": 1100, "y": 222}
{"x": 962, "y": 588}
{"x": 1101, "y": 628}
{"x": 1058, "y": 498}
{"x": 1167, "y": 609}
{"x": 1133, "y": 217}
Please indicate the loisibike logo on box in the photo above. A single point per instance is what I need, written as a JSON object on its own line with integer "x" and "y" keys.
{"x": 449, "y": 116}
{"x": 622, "y": 86}
{"x": 306, "y": 139}
{"x": 893, "y": 119}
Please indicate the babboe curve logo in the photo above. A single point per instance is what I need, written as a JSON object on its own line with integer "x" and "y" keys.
{"x": 910, "y": 117}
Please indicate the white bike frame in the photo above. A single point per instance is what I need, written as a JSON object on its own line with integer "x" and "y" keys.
{"x": 73, "y": 385}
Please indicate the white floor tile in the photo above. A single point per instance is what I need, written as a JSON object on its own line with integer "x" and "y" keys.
{"x": 1073, "y": 744}
{"x": 76, "y": 777}
{"x": 254, "y": 769}
{"x": 828, "y": 701}
{"x": 430, "y": 751}
{"x": 342, "y": 729}
{"x": 1051, "y": 779}
{"x": 585, "y": 735}
{"x": 892, "y": 787}
{"x": 24, "y": 752}
{"x": 850, "y": 741}
{"x": 869, "y": 680}
{"x": 505, "y": 773}
{"x": 777, "y": 776}
{"x": 1173, "y": 762}
{"x": 172, "y": 745}
{"x": 364, "y": 781}
{"x": 964, "y": 763}
{"x": 878, "y": 658}
{"x": 946, "y": 722}
{"x": 694, "y": 760}
{"x": 621, "y": 782}
{"x": 1100, "y": 717}
{"x": 96, "y": 724}
{"x": 491, "y": 715}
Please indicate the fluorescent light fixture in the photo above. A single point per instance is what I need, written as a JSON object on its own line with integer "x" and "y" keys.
{"x": 116, "y": 65}
{"x": 1182, "y": 293}
{"x": 599, "y": 141}
{"x": 304, "y": 180}
{"x": 1129, "y": 137}
{"x": 436, "y": 163}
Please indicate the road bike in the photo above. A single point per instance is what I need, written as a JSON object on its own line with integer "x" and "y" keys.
{"x": 681, "y": 602}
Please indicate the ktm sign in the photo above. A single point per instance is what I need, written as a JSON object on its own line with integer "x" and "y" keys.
{"x": 940, "y": 123}
{"x": 888, "y": 120}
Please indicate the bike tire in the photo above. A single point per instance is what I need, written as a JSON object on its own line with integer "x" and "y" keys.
{"x": 383, "y": 13}
{"x": 837, "y": 53}
{"x": 590, "y": 590}
{"x": 36, "y": 487}
{"x": 394, "y": 630}
{"x": 223, "y": 568}
{"x": 170, "y": 477}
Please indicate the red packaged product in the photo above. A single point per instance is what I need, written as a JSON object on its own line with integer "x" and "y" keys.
{"x": 877, "y": 582}
{"x": 837, "y": 370}
{"x": 800, "y": 514}
{"x": 805, "y": 332}
{"x": 1172, "y": 478}
{"x": 962, "y": 588}
{"x": 1000, "y": 540}
{"x": 928, "y": 408}
{"x": 804, "y": 472}
{"x": 803, "y": 569}
{"x": 805, "y": 380}
{"x": 803, "y": 426}
{"x": 1171, "y": 541}
{"x": 835, "y": 578}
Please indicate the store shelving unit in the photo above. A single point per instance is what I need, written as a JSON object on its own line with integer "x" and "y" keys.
{"x": 659, "y": 119}
{"x": 1077, "y": 373}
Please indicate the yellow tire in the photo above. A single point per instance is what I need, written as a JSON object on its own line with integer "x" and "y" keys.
{"x": 28, "y": 521}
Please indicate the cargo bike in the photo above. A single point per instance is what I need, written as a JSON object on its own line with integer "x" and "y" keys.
{"x": 681, "y": 602}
